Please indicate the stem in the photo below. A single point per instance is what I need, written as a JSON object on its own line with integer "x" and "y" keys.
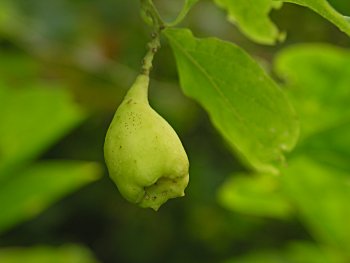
{"x": 151, "y": 11}
{"x": 158, "y": 25}
{"x": 153, "y": 47}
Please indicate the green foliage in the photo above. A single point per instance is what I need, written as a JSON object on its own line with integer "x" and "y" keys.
{"x": 9, "y": 18}
{"x": 32, "y": 119}
{"x": 321, "y": 195}
{"x": 323, "y": 8}
{"x": 315, "y": 181}
{"x": 258, "y": 195}
{"x": 246, "y": 106}
{"x": 185, "y": 9}
{"x": 36, "y": 112}
{"x": 48, "y": 182}
{"x": 318, "y": 78}
{"x": 318, "y": 183}
{"x": 54, "y": 54}
{"x": 318, "y": 81}
{"x": 331, "y": 146}
{"x": 252, "y": 17}
{"x": 44, "y": 254}
{"x": 295, "y": 252}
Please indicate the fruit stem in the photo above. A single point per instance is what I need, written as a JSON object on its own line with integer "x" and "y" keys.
{"x": 153, "y": 46}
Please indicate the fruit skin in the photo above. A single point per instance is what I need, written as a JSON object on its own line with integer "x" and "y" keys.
{"x": 144, "y": 155}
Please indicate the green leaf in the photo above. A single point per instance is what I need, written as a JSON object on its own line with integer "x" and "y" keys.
{"x": 258, "y": 195}
{"x": 302, "y": 252}
{"x": 185, "y": 9}
{"x": 44, "y": 254}
{"x": 31, "y": 120}
{"x": 331, "y": 147}
{"x": 295, "y": 252}
{"x": 341, "y": 6}
{"x": 252, "y": 18}
{"x": 321, "y": 194}
{"x": 246, "y": 106}
{"x": 318, "y": 80}
{"x": 35, "y": 188}
{"x": 11, "y": 21}
{"x": 323, "y": 8}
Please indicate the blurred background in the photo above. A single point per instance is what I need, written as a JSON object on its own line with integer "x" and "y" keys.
{"x": 65, "y": 66}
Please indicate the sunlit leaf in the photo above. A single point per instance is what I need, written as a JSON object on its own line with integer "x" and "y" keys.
{"x": 318, "y": 79}
{"x": 321, "y": 194}
{"x": 31, "y": 120}
{"x": 341, "y": 6}
{"x": 331, "y": 147}
{"x": 323, "y": 8}
{"x": 246, "y": 106}
{"x": 259, "y": 195}
{"x": 45, "y": 254}
{"x": 29, "y": 192}
{"x": 252, "y": 17}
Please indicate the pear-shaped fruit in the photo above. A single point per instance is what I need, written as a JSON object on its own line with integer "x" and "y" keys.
{"x": 144, "y": 155}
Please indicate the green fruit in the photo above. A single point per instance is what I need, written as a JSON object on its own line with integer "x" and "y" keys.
{"x": 144, "y": 155}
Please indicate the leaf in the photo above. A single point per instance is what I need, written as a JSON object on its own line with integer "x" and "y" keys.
{"x": 317, "y": 178}
{"x": 318, "y": 80}
{"x": 246, "y": 106}
{"x": 331, "y": 147}
{"x": 35, "y": 188}
{"x": 258, "y": 195}
{"x": 295, "y": 252}
{"x": 323, "y": 8}
{"x": 11, "y": 21}
{"x": 44, "y": 254}
{"x": 303, "y": 251}
{"x": 31, "y": 120}
{"x": 321, "y": 194}
{"x": 252, "y": 17}
{"x": 341, "y": 6}
{"x": 185, "y": 9}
